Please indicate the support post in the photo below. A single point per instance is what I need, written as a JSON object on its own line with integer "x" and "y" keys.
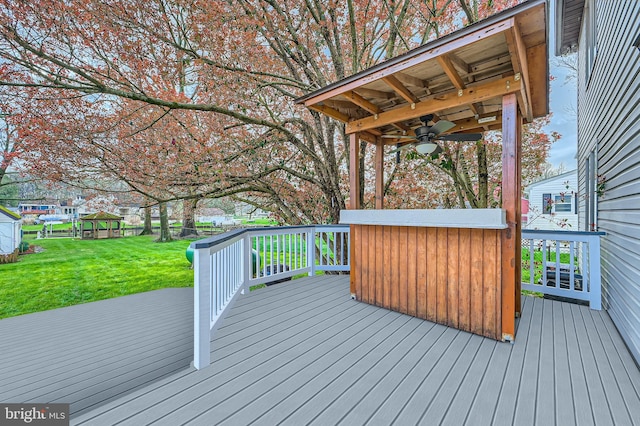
{"x": 202, "y": 308}
{"x": 354, "y": 199}
{"x": 354, "y": 172}
{"x": 311, "y": 251}
{"x": 511, "y": 237}
{"x": 379, "y": 170}
{"x": 247, "y": 267}
{"x": 595, "y": 280}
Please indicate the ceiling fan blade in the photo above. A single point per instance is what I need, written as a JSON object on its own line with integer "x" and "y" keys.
{"x": 441, "y": 126}
{"x": 403, "y": 147}
{"x": 460, "y": 137}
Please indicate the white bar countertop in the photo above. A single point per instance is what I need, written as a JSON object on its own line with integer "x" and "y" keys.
{"x": 437, "y": 218}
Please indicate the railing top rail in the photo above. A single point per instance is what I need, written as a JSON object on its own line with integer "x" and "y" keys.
{"x": 561, "y": 233}
{"x": 217, "y": 239}
{"x": 222, "y": 238}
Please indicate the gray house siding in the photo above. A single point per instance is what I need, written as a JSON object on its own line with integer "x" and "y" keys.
{"x": 609, "y": 125}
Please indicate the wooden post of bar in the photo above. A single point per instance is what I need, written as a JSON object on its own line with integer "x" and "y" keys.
{"x": 354, "y": 173}
{"x": 518, "y": 217}
{"x": 379, "y": 169}
{"x": 354, "y": 201}
{"x": 511, "y": 239}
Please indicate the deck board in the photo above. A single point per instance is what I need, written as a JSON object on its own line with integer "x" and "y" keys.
{"x": 90, "y": 354}
{"x": 303, "y": 352}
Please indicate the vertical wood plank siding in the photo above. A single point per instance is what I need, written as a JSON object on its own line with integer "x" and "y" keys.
{"x": 447, "y": 275}
{"x": 609, "y": 122}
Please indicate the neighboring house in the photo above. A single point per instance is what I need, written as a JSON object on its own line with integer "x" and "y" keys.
{"x": 10, "y": 232}
{"x": 553, "y": 203}
{"x": 607, "y": 34}
{"x": 36, "y": 209}
{"x": 68, "y": 209}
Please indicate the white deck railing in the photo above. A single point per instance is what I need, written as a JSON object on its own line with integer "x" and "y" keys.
{"x": 228, "y": 264}
{"x": 563, "y": 263}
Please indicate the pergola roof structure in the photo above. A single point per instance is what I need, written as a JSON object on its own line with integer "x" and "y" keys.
{"x": 488, "y": 76}
{"x": 460, "y": 77}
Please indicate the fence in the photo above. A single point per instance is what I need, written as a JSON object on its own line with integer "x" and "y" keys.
{"x": 228, "y": 264}
{"x": 563, "y": 264}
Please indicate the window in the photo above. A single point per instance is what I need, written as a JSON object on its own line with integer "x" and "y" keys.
{"x": 557, "y": 203}
{"x": 563, "y": 204}
{"x": 547, "y": 204}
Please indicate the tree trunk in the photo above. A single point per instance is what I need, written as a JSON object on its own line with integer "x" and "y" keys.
{"x": 147, "y": 229}
{"x": 189, "y": 217}
{"x": 361, "y": 174}
{"x": 483, "y": 176}
{"x": 165, "y": 234}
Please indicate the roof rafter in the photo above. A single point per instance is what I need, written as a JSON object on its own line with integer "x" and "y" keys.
{"x": 361, "y": 102}
{"x": 333, "y": 113}
{"x": 466, "y": 96}
{"x": 447, "y": 66}
{"x": 372, "y": 93}
{"x": 400, "y": 89}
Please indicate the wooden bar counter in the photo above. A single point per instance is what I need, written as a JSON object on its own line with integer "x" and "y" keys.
{"x": 440, "y": 265}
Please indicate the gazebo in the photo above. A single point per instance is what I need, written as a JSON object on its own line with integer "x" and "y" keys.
{"x": 457, "y": 267}
{"x": 100, "y": 225}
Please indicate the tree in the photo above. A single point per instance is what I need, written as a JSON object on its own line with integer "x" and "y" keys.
{"x": 241, "y": 62}
{"x": 8, "y": 192}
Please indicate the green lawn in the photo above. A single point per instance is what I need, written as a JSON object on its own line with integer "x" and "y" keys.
{"x": 72, "y": 271}
{"x": 537, "y": 263}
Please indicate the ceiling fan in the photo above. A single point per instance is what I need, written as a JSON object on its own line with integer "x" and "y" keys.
{"x": 427, "y": 135}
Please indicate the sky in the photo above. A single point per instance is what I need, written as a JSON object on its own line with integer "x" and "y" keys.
{"x": 563, "y": 106}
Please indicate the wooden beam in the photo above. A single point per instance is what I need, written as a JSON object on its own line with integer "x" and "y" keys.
{"x": 376, "y": 94}
{"x": 379, "y": 173}
{"x": 362, "y": 102}
{"x": 402, "y": 127}
{"x": 333, "y": 113}
{"x": 369, "y": 137}
{"x": 438, "y": 103}
{"x": 518, "y": 52}
{"x": 447, "y": 67}
{"x": 460, "y": 64}
{"x": 511, "y": 239}
{"x": 539, "y": 78}
{"x": 470, "y": 125}
{"x": 400, "y": 89}
{"x": 354, "y": 174}
{"x": 481, "y": 33}
{"x": 337, "y": 104}
{"x": 410, "y": 80}
{"x": 458, "y": 83}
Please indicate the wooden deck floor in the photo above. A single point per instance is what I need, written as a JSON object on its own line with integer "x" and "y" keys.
{"x": 305, "y": 353}
{"x": 89, "y": 354}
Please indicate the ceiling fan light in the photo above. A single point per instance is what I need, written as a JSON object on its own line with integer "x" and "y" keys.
{"x": 426, "y": 148}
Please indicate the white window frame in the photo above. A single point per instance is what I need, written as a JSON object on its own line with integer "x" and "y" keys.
{"x": 566, "y": 199}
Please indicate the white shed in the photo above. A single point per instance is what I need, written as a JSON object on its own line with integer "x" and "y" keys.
{"x": 10, "y": 231}
{"x": 553, "y": 204}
